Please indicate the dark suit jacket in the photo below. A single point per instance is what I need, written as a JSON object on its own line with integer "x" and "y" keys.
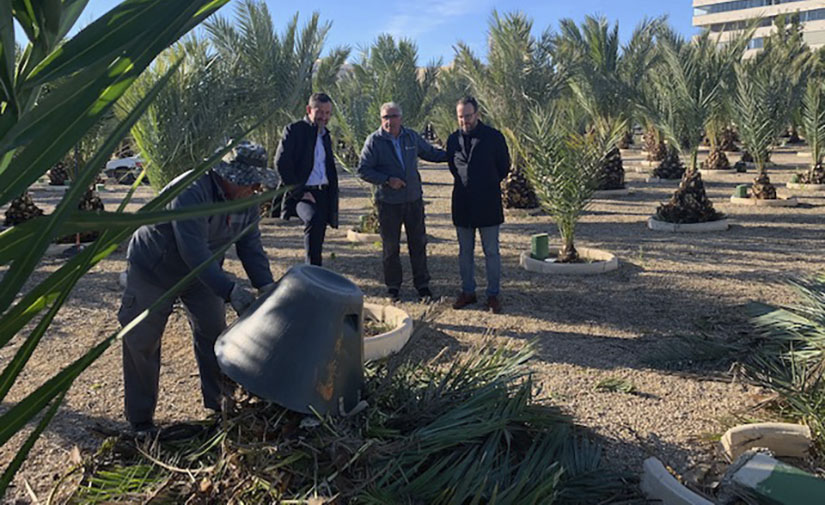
{"x": 294, "y": 160}
{"x": 478, "y": 170}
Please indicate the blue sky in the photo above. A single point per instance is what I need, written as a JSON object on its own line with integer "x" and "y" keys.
{"x": 436, "y": 25}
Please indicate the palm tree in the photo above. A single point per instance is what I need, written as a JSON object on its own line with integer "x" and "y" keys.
{"x": 385, "y": 71}
{"x": 610, "y": 80}
{"x": 813, "y": 127}
{"x": 89, "y": 73}
{"x": 521, "y": 73}
{"x": 788, "y": 41}
{"x": 593, "y": 50}
{"x": 274, "y": 72}
{"x": 196, "y": 112}
{"x": 769, "y": 89}
{"x": 762, "y": 112}
{"x": 688, "y": 86}
{"x": 450, "y": 86}
{"x": 564, "y": 163}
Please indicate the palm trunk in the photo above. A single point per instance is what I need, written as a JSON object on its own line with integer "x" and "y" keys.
{"x": 762, "y": 187}
{"x": 568, "y": 253}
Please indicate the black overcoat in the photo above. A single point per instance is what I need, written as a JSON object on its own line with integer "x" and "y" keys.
{"x": 478, "y": 170}
{"x": 294, "y": 160}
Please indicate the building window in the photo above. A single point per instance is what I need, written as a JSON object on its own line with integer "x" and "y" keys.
{"x": 737, "y": 5}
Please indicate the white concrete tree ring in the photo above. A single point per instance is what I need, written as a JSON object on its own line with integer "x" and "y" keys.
{"x": 390, "y": 342}
{"x": 806, "y": 187}
{"x": 607, "y": 193}
{"x": 662, "y": 487}
{"x": 783, "y": 439}
{"x": 363, "y": 238}
{"x": 708, "y": 226}
{"x": 762, "y": 202}
{"x": 601, "y": 262}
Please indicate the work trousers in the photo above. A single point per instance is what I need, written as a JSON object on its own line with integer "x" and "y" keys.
{"x": 390, "y": 218}
{"x": 314, "y": 215}
{"x": 141, "y": 345}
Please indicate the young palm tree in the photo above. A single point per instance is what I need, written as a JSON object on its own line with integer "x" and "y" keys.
{"x": 274, "y": 72}
{"x": 762, "y": 112}
{"x": 639, "y": 57}
{"x": 450, "y": 86}
{"x": 714, "y": 130}
{"x": 688, "y": 87}
{"x": 195, "y": 112}
{"x": 609, "y": 80}
{"x": 564, "y": 164}
{"x": 521, "y": 73}
{"x": 813, "y": 127}
{"x": 788, "y": 41}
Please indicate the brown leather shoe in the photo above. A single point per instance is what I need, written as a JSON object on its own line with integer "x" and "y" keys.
{"x": 464, "y": 299}
{"x": 494, "y": 304}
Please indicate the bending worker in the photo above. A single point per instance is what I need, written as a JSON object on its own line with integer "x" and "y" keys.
{"x": 160, "y": 255}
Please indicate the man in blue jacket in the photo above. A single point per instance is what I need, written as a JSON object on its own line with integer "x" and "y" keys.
{"x": 160, "y": 255}
{"x": 479, "y": 161}
{"x": 390, "y": 161}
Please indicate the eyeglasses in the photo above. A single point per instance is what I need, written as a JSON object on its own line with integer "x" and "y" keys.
{"x": 390, "y": 116}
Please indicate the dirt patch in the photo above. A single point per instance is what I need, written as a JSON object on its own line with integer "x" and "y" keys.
{"x": 623, "y": 325}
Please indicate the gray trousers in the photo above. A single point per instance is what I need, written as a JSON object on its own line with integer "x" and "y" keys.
{"x": 141, "y": 346}
{"x": 390, "y": 218}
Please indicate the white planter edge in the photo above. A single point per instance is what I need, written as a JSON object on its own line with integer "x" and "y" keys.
{"x": 806, "y": 187}
{"x": 659, "y": 180}
{"x": 603, "y": 262}
{"x": 761, "y": 202}
{"x": 783, "y": 439}
{"x": 362, "y": 238}
{"x": 709, "y": 226}
{"x": 662, "y": 487}
{"x": 607, "y": 193}
{"x": 387, "y": 343}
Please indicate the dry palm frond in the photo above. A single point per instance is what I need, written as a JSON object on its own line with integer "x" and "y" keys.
{"x": 791, "y": 357}
{"x": 469, "y": 431}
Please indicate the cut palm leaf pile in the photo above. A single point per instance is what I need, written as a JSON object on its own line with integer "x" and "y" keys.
{"x": 790, "y": 357}
{"x": 466, "y": 432}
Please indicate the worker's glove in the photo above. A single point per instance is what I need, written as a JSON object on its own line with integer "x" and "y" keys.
{"x": 240, "y": 298}
{"x": 266, "y": 288}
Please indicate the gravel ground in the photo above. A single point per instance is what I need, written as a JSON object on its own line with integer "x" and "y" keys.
{"x": 619, "y": 325}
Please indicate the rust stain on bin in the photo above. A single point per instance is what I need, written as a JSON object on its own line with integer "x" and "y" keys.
{"x": 326, "y": 388}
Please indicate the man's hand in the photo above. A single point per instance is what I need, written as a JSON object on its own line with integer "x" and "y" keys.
{"x": 240, "y": 298}
{"x": 396, "y": 183}
{"x": 308, "y": 197}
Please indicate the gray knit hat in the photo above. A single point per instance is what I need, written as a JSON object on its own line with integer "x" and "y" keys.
{"x": 246, "y": 166}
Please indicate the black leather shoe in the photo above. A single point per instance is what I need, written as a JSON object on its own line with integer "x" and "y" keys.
{"x": 394, "y": 295}
{"x": 425, "y": 295}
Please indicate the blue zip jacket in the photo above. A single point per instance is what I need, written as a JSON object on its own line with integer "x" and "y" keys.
{"x": 166, "y": 252}
{"x": 379, "y": 162}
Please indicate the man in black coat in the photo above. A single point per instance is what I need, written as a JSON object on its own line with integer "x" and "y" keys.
{"x": 479, "y": 161}
{"x": 305, "y": 162}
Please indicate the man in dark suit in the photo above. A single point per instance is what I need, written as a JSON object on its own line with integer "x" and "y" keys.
{"x": 305, "y": 162}
{"x": 479, "y": 161}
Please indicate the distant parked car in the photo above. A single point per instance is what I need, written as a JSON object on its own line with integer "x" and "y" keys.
{"x": 125, "y": 170}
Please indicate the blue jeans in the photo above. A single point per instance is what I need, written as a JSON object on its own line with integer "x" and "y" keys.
{"x": 492, "y": 258}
